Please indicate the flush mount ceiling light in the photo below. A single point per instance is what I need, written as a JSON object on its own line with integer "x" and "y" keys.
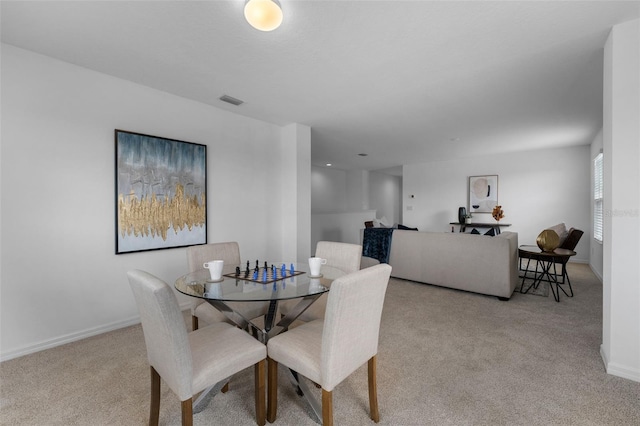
{"x": 263, "y": 15}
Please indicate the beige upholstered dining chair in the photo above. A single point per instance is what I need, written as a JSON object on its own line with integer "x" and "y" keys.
{"x": 201, "y": 310}
{"x": 343, "y": 256}
{"x": 328, "y": 351}
{"x": 191, "y": 362}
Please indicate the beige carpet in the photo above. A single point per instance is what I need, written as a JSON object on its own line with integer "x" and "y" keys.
{"x": 446, "y": 358}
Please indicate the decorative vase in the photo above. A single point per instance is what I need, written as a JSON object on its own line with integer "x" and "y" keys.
{"x": 548, "y": 240}
{"x": 462, "y": 213}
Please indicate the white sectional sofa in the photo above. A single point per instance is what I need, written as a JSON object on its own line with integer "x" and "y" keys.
{"x": 476, "y": 263}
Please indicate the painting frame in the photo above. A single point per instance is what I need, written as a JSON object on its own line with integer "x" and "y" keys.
{"x": 482, "y": 193}
{"x": 160, "y": 193}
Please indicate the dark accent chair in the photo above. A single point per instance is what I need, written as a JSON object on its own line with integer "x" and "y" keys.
{"x": 569, "y": 243}
{"x": 572, "y": 239}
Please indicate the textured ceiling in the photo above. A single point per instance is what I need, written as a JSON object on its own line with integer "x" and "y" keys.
{"x": 404, "y": 82}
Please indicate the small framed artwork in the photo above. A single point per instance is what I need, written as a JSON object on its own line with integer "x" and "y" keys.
{"x": 160, "y": 192}
{"x": 483, "y": 193}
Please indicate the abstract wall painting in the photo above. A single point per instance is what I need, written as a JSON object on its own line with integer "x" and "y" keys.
{"x": 161, "y": 187}
{"x": 483, "y": 193}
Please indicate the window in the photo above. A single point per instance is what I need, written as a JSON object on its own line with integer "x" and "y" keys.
{"x": 597, "y": 198}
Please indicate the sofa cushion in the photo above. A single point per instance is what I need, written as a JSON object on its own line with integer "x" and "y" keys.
{"x": 406, "y": 228}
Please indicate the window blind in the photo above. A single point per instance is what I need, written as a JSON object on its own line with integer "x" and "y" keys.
{"x": 598, "y": 189}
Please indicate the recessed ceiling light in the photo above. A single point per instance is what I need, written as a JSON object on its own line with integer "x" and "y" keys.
{"x": 363, "y": 154}
{"x": 329, "y": 164}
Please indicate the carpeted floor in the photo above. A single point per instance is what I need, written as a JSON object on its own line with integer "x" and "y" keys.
{"x": 445, "y": 358}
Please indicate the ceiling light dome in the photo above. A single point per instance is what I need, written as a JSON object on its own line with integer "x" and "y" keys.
{"x": 263, "y": 15}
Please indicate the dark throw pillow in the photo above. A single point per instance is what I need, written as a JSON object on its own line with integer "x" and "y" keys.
{"x": 406, "y": 228}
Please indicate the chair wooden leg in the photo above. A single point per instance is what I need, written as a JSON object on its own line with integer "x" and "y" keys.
{"x": 194, "y": 322}
{"x": 259, "y": 373}
{"x": 327, "y": 408}
{"x": 154, "y": 408}
{"x": 187, "y": 412}
{"x": 272, "y": 390}
{"x": 373, "y": 390}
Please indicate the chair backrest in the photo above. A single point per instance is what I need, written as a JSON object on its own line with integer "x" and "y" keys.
{"x": 343, "y": 256}
{"x": 198, "y": 255}
{"x": 165, "y": 331}
{"x": 352, "y": 323}
{"x": 573, "y": 237}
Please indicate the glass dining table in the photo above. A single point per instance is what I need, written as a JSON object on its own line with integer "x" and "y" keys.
{"x": 236, "y": 285}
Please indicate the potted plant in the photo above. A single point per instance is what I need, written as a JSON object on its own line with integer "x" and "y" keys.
{"x": 497, "y": 213}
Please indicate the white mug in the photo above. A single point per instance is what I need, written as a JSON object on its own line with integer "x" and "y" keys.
{"x": 314, "y": 265}
{"x": 215, "y": 268}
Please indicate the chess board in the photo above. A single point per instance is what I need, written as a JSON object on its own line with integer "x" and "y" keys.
{"x": 261, "y": 278}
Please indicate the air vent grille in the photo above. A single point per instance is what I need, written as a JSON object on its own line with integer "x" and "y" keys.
{"x": 231, "y": 100}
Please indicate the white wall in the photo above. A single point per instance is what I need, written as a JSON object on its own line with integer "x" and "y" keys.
{"x": 536, "y": 189}
{"x": 620, "y": 348}
{"x": 295, "y": 196}
{"x": 328, "y": 190}
{"x": 385, "y": 196}
{"x": 341, "y": 227}
{"x": 357, "y": 190}
{"x": 60, "y": 278}
{"x": 341, "y": 201}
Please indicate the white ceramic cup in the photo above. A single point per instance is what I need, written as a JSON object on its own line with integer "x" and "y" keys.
{"x": 215, "y": 268}
{"x": 315, "y": 263}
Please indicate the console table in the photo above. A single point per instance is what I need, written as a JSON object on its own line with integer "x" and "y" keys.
{"x": 495, "y": 226}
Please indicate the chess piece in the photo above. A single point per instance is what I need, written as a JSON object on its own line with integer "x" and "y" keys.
{"x": 237, "y": 271}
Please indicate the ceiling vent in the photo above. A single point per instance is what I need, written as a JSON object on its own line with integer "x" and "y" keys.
{"x": 231, "y": 100}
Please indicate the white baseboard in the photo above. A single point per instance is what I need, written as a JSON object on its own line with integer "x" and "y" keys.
{"x": 619, "y": 370}
{"x": 596, "y": 273}
{"x": 74, "y": 337}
